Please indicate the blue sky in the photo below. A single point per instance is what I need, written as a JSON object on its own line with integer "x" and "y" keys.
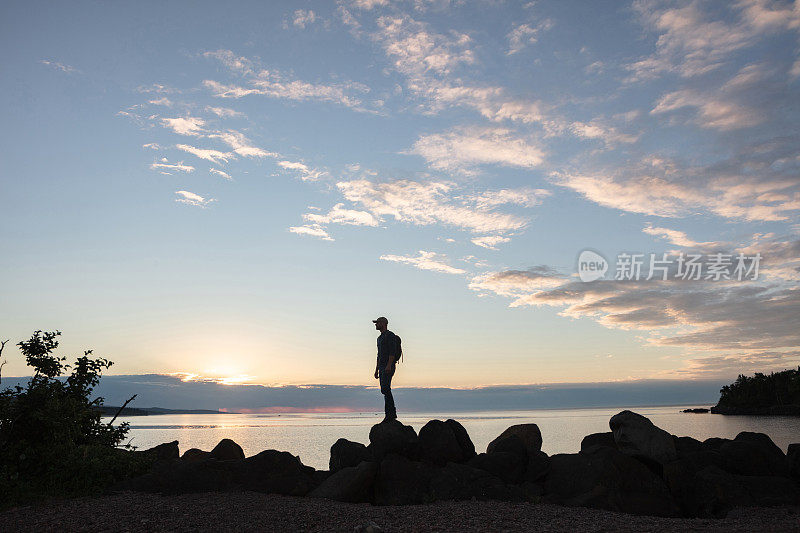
{"x": 236, "y": 192}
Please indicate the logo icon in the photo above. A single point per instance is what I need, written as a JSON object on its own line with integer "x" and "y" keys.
{"x": 591, "y": 266}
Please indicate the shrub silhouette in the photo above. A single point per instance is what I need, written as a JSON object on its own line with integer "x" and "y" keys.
{"x": 52, "y": 439}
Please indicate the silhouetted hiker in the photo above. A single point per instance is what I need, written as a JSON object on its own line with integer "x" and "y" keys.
{"x": 389, "y": 351}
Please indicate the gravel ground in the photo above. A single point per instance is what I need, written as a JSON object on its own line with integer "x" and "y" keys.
{"x": 249, "y": 511}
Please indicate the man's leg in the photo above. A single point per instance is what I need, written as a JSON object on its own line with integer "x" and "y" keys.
{"x": 386, "y": 390}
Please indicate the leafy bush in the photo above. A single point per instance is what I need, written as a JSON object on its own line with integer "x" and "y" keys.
{"x": 760, "y": 390}
{"x": 52, "y": 439}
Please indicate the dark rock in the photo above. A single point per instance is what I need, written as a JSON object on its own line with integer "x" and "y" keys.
{"x": 598, "y": 439}
{"x": 345, "y": 453}
{"x": 392, "y": 436}
{"x": 275, "y": 472}
{"x": 714, "y": 443}
{"x": 163, "y": 452}
{"x": 696, "y": 410}
{"x": 637, "y": 435}
{"x": 532, "y": 492}
{"x": 754, "y": 454}
{"x": 510, "y": 467}
{"x": 509, "y": 444}
{"x": 793, "y": 460}
{"x": 529, "y": 434}
{"x": 227, "y": 450}
{"x": 464, "y": 441}
{"x": 715, "y": 492}
{"x": 439, "y": 444}
{"x": 686, "y": 445}
{"x": 183, "y": 477}
{"x": 402, "y": 481}
{"x": 605, "y": 478}
{"x": 193, "y": 455}
{"x": 538, "y": 466}
{"x": 463, "y": 482}
{"x": 762, "y": 440}
{"x": 269, "y": 471}
{"x": 349, "y": 484}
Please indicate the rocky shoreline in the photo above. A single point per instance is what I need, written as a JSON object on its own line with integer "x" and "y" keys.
{"x": 636, "y": 468}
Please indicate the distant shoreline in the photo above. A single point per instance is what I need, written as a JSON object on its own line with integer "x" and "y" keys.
{"x": 111, "y": 410}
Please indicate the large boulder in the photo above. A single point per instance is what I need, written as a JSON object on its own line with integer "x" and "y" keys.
{"x": 346, "y": 453}
{"x": 227, "y": 450}
{"x": 275, "y": 472}
{"x": 183, "y": 477}
{"x": 685, "y": 446}
{"x": 635, "y": 434}
{"x": 194, "y": 455}
{"x": 443, "y": 442}
{"x": 391, "y": 436}
{"x": 754, "y": 454}
{"x": 463, "y": 482}
{"x": 163, "y": 452}
{"x": 605, "y": 478}
{"x": 402, "y": 481}
{"x": 528, "y": 434}
{"x": 712, "y": 492}
{"x": 464, "y": 441}
{"x": 715, "y": 443}
{"x": 510, "y": 467}
{"x": 538, "y": 466}
{"x": 793, "y": 460}
{"x": 598, "y": 439}
{"x": 270, "y": 471}
{"x": 349, "y": 484}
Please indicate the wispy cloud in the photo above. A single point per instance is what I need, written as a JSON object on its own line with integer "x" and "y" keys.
{"x": 425, "y": 261}
{"x": 462, "y": 149}
{"x": 192, "y": 126}
{"x": 425, "y": 203}
{"x": 338, "y": 214}
{"x": 224, "y": 112}
{"x": 306, "y": 173}
{"x": 303, "y": 18}
{"x": 190, "y": 198}
{"x": 241, "y": 144}
{"x": 524, "y": 34}
{"x": 490, "y": 242}
{"x": 165, "y": 165}
{"x": 756, "y": 183}
{"x": 691, "y": 42}
{"x": 220, "y": 173}
{"x": 312, "y": 230}
{"x": 59, "y": 66}
{"x": 274, "y": 84}
{"x": 215, "y": 156}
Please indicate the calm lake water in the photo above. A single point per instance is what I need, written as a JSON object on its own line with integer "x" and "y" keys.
{"x": 310, "y": 436}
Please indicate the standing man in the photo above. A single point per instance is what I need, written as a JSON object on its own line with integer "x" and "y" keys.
{"x": 388, "y": 354}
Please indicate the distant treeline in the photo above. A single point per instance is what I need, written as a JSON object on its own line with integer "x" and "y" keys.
{"x": 111, "y": 410}
{"x": 777, "y": 393}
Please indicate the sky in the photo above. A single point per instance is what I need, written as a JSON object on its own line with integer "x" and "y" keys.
{"x": 232, "y": 193}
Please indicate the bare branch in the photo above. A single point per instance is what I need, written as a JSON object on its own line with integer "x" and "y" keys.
{"x": 2, "y": 345}
{"x": 129, "y": 400}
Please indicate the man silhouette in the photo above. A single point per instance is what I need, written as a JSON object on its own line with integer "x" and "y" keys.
{"x": 388, "y": 353}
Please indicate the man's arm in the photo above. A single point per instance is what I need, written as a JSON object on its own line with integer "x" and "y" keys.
{"x": 389, "y": 363}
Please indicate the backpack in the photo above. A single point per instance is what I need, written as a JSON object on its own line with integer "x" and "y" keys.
{"x": 399, "y": 347}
